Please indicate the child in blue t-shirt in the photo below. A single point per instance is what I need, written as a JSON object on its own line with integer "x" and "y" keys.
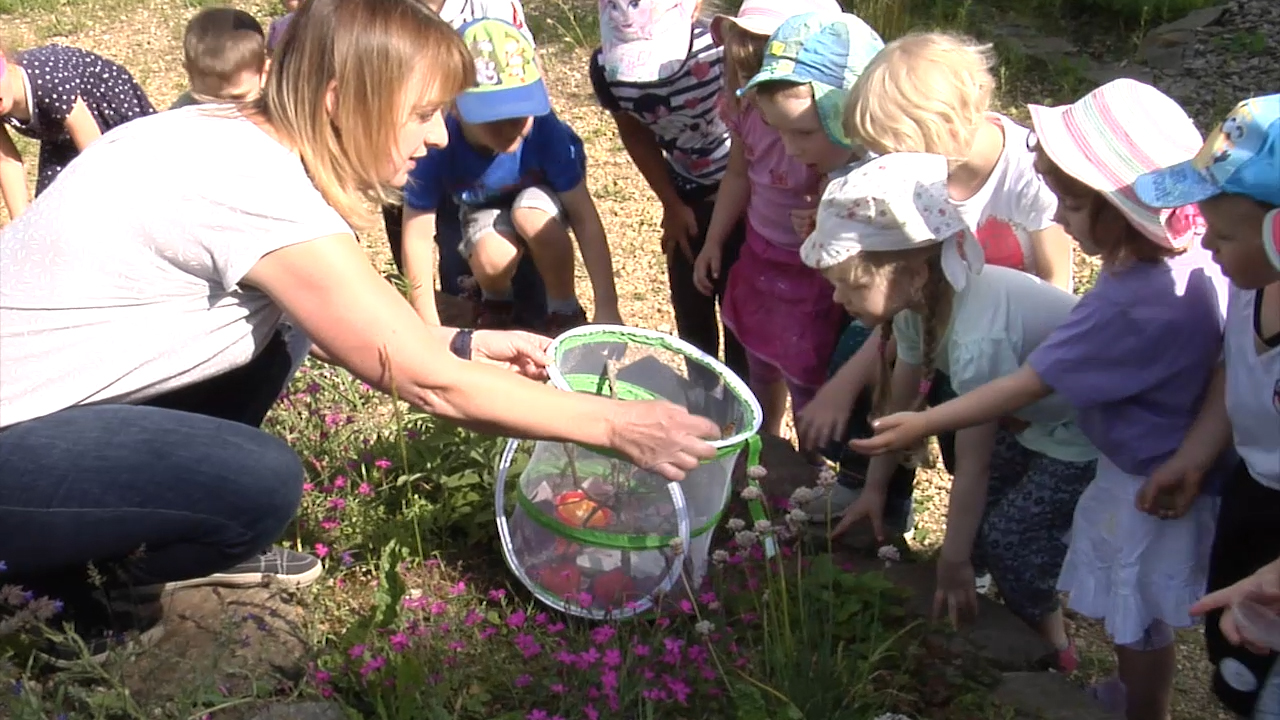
{"x": 518, "y": 175}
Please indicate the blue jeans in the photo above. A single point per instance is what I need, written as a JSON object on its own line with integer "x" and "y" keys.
{"x": 181, "y": 487}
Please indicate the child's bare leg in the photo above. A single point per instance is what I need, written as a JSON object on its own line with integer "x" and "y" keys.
{"x": 773, "y": 401}
{"x": 1146, "y": 668}
{"x": 537, "y": 219}
{"x": 493, "y": 262}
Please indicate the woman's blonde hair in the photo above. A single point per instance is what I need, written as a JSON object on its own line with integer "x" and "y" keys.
{"x": 924, "y": 92}
{"x": 743, "y": 56}
{"x": 368, "y": 54}
{"x": 882, "y": 269}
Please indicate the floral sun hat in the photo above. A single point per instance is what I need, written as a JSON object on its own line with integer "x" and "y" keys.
{"x": 1113, "y": 135}
{"x": 828, "y": 52}
{"x": 763, "y": 17}
{"x": 893, "y": 202}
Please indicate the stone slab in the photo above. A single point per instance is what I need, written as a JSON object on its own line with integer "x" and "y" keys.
{"x": 1048, "y": 696}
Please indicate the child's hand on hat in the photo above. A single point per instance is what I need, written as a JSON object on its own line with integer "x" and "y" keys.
{"x": 679, "y": 224}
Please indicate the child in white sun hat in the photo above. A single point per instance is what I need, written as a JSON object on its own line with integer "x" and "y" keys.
{"x": 780, "y": 309}
{"x": 1236, "y": 180}
{"x": 1134, "y": 359}
{"x": 896, "y": 248}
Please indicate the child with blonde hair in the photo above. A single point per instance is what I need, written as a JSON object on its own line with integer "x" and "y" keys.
{"x": 780, "y": 309}
{"x": 897, "y": 250}
{"x": 1134, "y": 359}
{"x": 931, "y": 92}
{"x": 1235, "y": 179}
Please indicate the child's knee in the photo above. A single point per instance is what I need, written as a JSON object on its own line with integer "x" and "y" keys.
{"x": 534, "y": 210}
{"x": 1158, "y": 635}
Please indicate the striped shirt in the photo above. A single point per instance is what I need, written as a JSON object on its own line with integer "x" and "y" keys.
{"x": 681, "y": 110}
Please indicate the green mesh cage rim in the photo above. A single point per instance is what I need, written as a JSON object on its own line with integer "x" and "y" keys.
{"x": 615, "y": 541}
{"x": 577, "y": 382}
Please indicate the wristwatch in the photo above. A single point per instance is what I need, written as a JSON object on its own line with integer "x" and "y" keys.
{"x": 460, "y": 345}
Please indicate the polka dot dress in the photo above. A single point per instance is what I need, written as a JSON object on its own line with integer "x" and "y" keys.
{"x": 58, "y": 75}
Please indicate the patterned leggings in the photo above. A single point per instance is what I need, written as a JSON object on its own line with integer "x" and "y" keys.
{"x": 1031, "y": 500}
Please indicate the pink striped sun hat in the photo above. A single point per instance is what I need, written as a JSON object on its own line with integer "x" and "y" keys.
{"x": 763, "y": 17}
{"x": 1116, "y": 133}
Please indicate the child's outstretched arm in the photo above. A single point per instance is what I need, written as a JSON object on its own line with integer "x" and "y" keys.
{"x": 13, "y": 176}
{"x": 903, "y": 389}
{"x": 731, "y": 205}
{"x": 81, "y": 126}
{"x": 594, "y": 245}
{"x": 418, "y": 248}
{"x": 994, "y": 400}
{"x": 956, "y": 590}
{"x": 1053, "y": 250}
{"x": 678, "y": 221}
{"x": 1174, "y": 486}
{"x": 825, "y": 418}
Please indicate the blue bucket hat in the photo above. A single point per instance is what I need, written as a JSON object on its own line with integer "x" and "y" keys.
{"x": 826, "y": 51}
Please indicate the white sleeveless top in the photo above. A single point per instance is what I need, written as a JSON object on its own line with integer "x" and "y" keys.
{"x": 1253, "y": 391}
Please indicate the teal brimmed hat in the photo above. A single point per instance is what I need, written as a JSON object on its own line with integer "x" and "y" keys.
{"x": 1241, "y": 157}
{"x": 508, "y": 82}
{"x": 826, "y": 51}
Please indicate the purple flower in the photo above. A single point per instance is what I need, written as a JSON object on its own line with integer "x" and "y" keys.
{"x": 537, "y": 715}
{"x": 523, "y": 680}
{"x": 612, "y": 657}
{"x": 516, "y": 619}
{"x": 496, "y": 595}
{"x": 602, "y": 634}
{"x": 399, "y": 642}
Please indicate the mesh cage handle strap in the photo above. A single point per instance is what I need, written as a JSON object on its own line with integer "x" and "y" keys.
{"x": 755, "y": 506}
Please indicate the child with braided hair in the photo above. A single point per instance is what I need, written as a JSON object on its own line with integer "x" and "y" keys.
{"x": 897, "y": 250}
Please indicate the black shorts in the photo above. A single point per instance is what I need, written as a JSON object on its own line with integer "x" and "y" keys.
{"x": 1247, "y": 537}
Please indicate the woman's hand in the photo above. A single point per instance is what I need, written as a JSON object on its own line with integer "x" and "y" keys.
{"x": 662, "y": 437}
{"x": 706, "y": 269}
{"x": 868, "y": 506}
{"x": 521, "y": 352}
{"x": 895, "y": 432}
{"x": 1261, "y": 588}
{"x": 956, "y": 592}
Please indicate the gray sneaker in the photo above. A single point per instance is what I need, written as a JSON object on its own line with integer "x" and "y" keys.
{"x": 274, "y": 566}
{"x": 839, "y": 498}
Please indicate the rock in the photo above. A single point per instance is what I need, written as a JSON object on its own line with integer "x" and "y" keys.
{"x": 221, "y": 637}
{"x": 996, "y": 635}
{"x": 1194, "y": 20}
{"x": 1048, "y": 696}
{"x": 1167, "y": 47}
{"x": 301, "y": 711}
{"x": 788, "y": 468}
{"x": 1103, "y": 74}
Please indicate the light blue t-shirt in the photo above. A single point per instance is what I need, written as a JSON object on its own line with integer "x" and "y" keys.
{"x": 551, "y": 155}
{"x": 996, "y": 321}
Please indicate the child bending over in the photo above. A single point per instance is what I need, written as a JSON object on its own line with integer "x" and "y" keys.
{"x": 518, "y": 174}
{"x": 898, "y": 251}
{"x": 65, "y": 98}
{"x": 779, "y": 308}
{"x": 224, "y": 52}
{"x": 1236, "y": 180}
{"x": 1134, "y": 359}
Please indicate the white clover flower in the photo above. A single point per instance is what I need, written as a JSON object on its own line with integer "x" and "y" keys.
{"x": 826, "y": 477}
{"x": 797, "y": 517}
{"x": 677, "y": 546}
{"x": 756, "y": 472}
{"x": 745, "y": 539}
{"x": 889, "y": 552}
{"x": 764, "y": 596}
{"x": 751, "y": 492}
{"x": 713, "y": 605}
{"x": 720, "y": 557}
{"x": 763, "y": 527}
{"x": 892, "y": 716}
{"x": 703, "y": 627}
{"x": 800, "y": 496}
{"x": 736, "y": 524}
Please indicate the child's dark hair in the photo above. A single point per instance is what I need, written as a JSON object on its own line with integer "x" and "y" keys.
{"x": 1117, "y": 240}
{"x": 220, "y": 44}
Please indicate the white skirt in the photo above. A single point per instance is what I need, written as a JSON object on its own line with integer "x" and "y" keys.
{"x": 1129, "y": 568}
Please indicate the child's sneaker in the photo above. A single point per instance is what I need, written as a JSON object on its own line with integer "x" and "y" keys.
{"x": 495, "y": 315}
{"x": 559, "y": 322}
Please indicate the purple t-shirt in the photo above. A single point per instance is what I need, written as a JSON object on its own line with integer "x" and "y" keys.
{"x": 276, "y": 31}
{"x": 1135, "y": 356}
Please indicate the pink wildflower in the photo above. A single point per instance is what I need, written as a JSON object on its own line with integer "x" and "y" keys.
{"x": 322, "y": 550}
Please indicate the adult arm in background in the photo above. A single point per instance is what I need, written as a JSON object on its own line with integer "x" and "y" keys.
{"x": 13, "y": 176}
{"x": 731, "y": 206}
{"x": 329, "y": 287}
{"x": 418, "y": 253}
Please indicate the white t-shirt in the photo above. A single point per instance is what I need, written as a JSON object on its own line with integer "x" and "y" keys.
{"x": 996, "y": 321}
{"x": 460, "y": 12}
{"x": 1012, "y": 204}
{"x": 120, "y": 282}
{"x": 1253, "y": 391}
